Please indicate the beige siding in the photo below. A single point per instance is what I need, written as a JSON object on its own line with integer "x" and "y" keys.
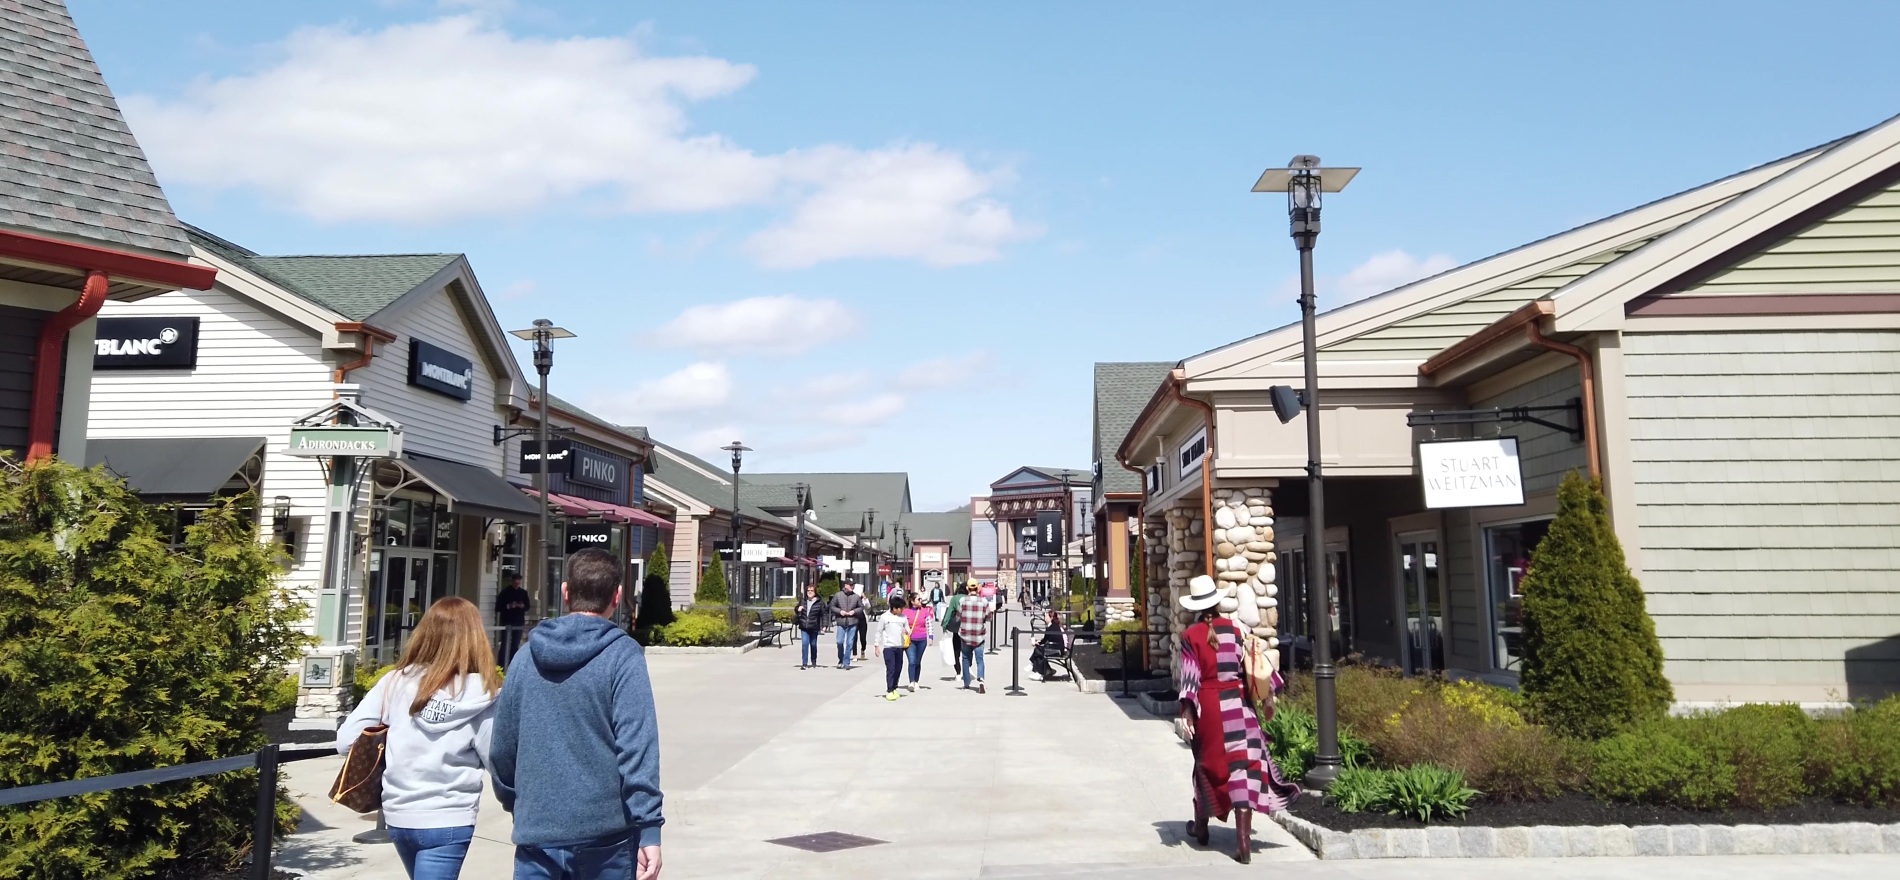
{"x": 683, "y": 558}
{"x": 1854, "y": 251}
{"x": 1767, "y": 470}
{"x": 1546, "y": 454}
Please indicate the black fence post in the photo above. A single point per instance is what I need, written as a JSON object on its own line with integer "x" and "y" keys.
{"x": 996, "y": 630}
{"x": 263, "y": 830}
{"x": 1015, "y": 664}
{"x": 1125, "y": 670}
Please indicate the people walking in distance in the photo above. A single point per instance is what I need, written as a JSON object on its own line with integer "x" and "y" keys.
{"x": 864, "y": 629}
{"x": 511, "y": 613}
{"x": 938, "y": 596}
{"x": 919, "y": 615}
{"x": 893, "y": 639}
{"x": 577, "y": 746}
{"x": 1232, "y": 770}
{"x": 973, "y": 624}
{"x": 948, "y": 621}
{"x": 810, "y": 617}
{"x": 439, "y": 703}
{"x": 847, "y": 610}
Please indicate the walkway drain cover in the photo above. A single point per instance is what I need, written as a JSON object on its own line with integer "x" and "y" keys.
{"x": 828, "y": 841}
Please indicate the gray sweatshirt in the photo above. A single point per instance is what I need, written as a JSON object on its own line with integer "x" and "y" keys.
{"x": 435, "y": 758}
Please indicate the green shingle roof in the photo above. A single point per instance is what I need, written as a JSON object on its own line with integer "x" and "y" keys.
{"x": 1122, "y": 390}
{"x": 68, "y": 163}
{"x": 834, "y": 495}
{"x": 953, "y": 526}
{"x": 676, "y": 469}
{"x": 355, "y": 286}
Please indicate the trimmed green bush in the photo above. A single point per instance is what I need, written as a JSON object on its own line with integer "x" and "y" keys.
{"x": 1767, "y": 747}
{"x": 1856, "y": 758}
{"x": 658, "y": 564}
{"x": 1592, "y": 664}
{"x": 283, "y": 696}
{"x": 712, "y": 583}
{"x": 119, "y": 653}
{"x": 828, "y": 586}
{"x": 1112, "y": 640}
{"x": 1656, "y": 762}
{"x": 700, "y": 629}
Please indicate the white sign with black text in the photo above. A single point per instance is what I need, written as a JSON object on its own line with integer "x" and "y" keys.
{"x": 1471, "y": 473}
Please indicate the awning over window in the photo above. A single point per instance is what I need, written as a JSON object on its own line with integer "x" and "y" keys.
{"x": 574, "y": 505}
{"x": 471, "y": 490}
{"x": 174, "y": 467}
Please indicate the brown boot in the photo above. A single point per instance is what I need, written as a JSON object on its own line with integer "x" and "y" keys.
{"x": 1243, "y": 829}
{"x": 1197, "y": 829}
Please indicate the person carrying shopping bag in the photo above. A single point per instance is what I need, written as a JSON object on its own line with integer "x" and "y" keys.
{"x": 439, "y": 705}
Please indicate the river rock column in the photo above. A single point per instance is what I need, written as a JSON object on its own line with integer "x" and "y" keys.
{"x": 1244, "y": 560}
{"x": 1184, "y": 562}
{"x": 1154, "y": 535}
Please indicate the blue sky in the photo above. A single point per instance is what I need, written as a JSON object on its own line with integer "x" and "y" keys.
{"x": 895, "y": 236}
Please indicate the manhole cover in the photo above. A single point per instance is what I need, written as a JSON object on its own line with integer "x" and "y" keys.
{"x": 828, "y": 841}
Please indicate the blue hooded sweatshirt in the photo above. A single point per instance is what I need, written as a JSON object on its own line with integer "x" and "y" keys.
{"x": 576, "y": 749}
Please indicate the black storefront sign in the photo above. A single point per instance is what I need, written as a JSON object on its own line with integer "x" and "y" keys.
{"x": 560, "y": 455}
{"x": 440, "y": 370}
{"x": 590, "y": 468}
{"x": 582, "y": 535}
{"x": 145, "y": 344}
{"x": 1048, "y": 533}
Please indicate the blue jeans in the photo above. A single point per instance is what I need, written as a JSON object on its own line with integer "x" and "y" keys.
{"x": 972, "y": 654}
{"x": 917, "y": 647}
{"x": 847, "y": 641}
{"x": 610, "y": 859}
{"x": 808, "y": 647}
{"x": 432, "y": 853}
{"x": 893, "y": 664}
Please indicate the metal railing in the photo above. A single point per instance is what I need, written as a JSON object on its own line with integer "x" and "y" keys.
{"x": 264, "y": 760}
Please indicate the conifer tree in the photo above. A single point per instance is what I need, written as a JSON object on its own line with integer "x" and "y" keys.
{"x": 712, "y": 584}
{"x": 1592, "y": 663}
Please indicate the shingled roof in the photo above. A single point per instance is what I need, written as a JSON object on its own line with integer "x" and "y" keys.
{"x": 683, "y": 471}
{"x": 840, "y": 499}
{"x": 355, "y": 286}
{"x": 1121, "y": 391}
{"x": 953, "y": 526}
{"x": 69, "y": 165}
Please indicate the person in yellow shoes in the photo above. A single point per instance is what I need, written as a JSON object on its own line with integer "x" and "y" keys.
{"x": 893, "y": 636}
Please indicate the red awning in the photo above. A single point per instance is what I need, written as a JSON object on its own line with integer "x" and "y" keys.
{"x": 567, "y": 506}
{"x": 572, "y": 505}
{"x": 642, "y": 518}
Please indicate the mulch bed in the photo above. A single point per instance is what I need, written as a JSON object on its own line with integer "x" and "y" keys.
{"x": 1098, "y": 665}
{"x": 1576, "y": 809}
{"x": 277, "y": 728}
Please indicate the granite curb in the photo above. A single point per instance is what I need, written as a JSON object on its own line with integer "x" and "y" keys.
{"x": 1578, "y": 841}
{"x": 681, "y": 649}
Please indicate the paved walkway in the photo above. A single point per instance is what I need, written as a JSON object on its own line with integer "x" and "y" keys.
{"x": 961, "y": 785}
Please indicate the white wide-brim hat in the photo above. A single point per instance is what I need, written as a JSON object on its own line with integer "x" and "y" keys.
{"x": 1202, "y": 594}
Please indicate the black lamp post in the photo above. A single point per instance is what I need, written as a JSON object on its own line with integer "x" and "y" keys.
{"x": 1303, "y": 180}
{"x": 540, "y": 334}
{"x": 798, "y": 543}
{"x": 738, "y": 451}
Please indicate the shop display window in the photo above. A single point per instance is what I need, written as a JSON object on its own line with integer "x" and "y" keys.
{"x": 1508, "y": 551}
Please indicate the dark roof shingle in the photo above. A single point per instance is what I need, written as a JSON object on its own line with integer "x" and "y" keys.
{"x": 355, "y": 286}
{"x": 1122, "y": 390}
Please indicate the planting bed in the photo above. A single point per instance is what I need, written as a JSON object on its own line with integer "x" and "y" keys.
{"x": 1091, "y": 662}
{"x": 1576, "y": 809}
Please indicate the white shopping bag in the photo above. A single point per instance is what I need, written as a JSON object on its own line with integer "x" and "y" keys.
{"x": 949, "y": 650}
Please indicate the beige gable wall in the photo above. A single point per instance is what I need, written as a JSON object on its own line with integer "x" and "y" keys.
{"x": 1854, "y": 251}
{"x": 1767, "y": 483}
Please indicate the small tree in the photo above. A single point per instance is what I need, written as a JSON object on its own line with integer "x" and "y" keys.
{"x": 712, "y": 584}
{"x": 828, "y": 586}
{"x": 658, "y": 563}
{"x": 1592, "y": 664}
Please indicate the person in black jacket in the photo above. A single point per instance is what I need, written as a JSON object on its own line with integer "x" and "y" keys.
{"x": 810, "y": 617}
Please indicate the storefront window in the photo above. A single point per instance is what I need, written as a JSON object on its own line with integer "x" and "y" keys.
{"x": 1508, "y": 549}
{"x": 1295, "y": 610}
{"x": 396, "y": 522}
{"x": 421, "y": 525}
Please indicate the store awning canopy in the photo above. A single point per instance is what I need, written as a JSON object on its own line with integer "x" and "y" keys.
{"x": 574, "y": 505}
{"x": 471, "y": 490}
{"x": 174, "y": 466}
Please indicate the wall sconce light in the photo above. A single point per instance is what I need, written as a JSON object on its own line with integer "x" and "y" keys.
{"x": 281, "y": 525}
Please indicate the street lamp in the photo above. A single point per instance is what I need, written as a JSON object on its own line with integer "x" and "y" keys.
{"x": 280, "y": 524}
{"x": 543, "y": 331}
{"x": 738, "y": 451}
{"x": 798, "y": 542}
{"x": 1303, "y": 180}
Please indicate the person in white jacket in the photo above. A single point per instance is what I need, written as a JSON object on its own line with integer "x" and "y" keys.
{"x": 439, "y": 703}
{"x": 893, "y": 636}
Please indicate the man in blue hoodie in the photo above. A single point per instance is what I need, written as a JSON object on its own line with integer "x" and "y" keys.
{"x": 576, "y": 748}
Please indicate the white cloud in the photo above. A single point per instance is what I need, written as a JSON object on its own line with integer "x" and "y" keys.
{"x": 698, "y": 387}
{"x": 945, "y": 372}
{"x": 1379, "y": 273}
{"x": 873, "y": 410}
{"x": 773, "y": 325}
{"x": 458, "y": 118}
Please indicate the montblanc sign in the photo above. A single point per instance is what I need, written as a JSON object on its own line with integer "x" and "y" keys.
{"x": 326, "y": 440}
{"x": 1471, "y": 473}
{"x": 440, "y": 370}
{"x": 145, "y": 344}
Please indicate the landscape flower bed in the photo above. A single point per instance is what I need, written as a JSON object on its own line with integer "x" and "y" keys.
{"x": 1422, "y": 750}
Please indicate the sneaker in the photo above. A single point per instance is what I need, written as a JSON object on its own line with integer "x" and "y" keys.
{"x": 912, "y": 687}
{"x": 892, "y": 696}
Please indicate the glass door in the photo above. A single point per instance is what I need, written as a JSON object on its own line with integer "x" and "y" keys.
{"x": 407, "y": 585}
{"x": 1424, "y": 605}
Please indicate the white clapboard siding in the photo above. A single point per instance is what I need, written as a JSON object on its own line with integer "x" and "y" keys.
{"x": 256, "y": 374}
{"x": 434, "y": 424}
{"x": 1767, "y": 470}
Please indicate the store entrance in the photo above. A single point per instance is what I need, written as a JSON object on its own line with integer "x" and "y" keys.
{"x": 404, "y": 583}
{"x": 1419, "y": 580}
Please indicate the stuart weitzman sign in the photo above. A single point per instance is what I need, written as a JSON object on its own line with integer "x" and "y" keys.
{"x": 1471, "y": 473}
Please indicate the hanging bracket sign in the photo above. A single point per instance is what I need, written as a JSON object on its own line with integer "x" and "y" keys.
{"x": 327, "y": 440}
{"x": 1471, "y": 473}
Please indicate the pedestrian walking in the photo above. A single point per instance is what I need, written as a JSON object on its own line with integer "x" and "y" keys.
{"x": 511, "y": 612}
{"x": 864, "y": 629}
{"x": 847, "y": 609}
{"x": 919, "y": 615}
{"x": 810, "y": 617}
{"x": 1232, "y": 769}
{"x": 577, "y": 746}
{"x": 937, "y": 599}
{"x": 439, "y": 704}
{"x": 947, "y": 621}
{"x": 893, "y": 638}
{"x": 973, "y": 624}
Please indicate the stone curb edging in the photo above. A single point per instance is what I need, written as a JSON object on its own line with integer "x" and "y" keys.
{"x": 676, "y": 649}
{"x": 1557, "y": 841}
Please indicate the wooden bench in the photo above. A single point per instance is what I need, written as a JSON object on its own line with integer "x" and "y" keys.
{"x": 770, "y": 629}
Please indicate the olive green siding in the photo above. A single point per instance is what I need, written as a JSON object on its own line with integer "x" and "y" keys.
{"x": 1767, "y": 487}
{"x": 1854, "y": 251}
{"x": 1467, "y": 645}
{"x": 1545, "y": 454}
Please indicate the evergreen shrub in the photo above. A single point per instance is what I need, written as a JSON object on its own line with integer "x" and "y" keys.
{"x": 1112, "y": 641}
{"x": 120, "y": 653}
{"x": 700, "y": 629}
{"x": 1659, "y": 762}
{"x": 1592, "y": 664}
{"x": 828, "y": 586}
{"x": 1856, "y": 758}
{"x": 712, "y": 583}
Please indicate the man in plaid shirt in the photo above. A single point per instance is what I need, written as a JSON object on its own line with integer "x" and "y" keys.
{"x": 973, "y": 627}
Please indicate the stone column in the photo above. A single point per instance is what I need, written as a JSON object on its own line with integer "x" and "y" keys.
{"x": 1185, "y": 544}
{"x": 1244, "y": 559}
{"x": 1154, "y": 536}
{"x": 335, "y": 697}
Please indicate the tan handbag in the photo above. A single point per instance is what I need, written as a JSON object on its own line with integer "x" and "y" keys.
{"x": 1262, "y": 680}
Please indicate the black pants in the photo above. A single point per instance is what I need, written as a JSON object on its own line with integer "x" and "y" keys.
{"x": 864, "y": 635}
{"x": 509, "y": 643}
{"x": 956, "y": 641}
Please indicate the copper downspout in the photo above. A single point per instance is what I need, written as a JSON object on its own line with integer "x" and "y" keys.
{"x": 44, "y": 411}
{"x": 370, "y": 335}
{"x": 1587, "y": 377}
{"x": 1207, "y": 477}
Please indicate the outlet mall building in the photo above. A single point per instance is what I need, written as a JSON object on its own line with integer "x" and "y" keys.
{"x": 1727, "y": 359}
